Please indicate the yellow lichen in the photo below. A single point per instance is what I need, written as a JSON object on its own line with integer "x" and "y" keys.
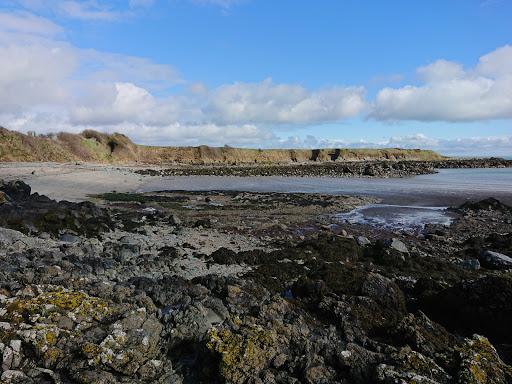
{"x": 59, "y": 300}
{"x": 52, "y": 354}
{"x": 480, "y": 363}
{"x": 241, "y": 354}
{"x": 92, "y": 352}
{"x": 51, "y": 338}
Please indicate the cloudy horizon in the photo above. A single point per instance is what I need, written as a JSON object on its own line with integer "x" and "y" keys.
{"x": 61, "y": 72}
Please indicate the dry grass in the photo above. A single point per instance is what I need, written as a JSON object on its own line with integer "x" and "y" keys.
{"x": 95, "y": 146}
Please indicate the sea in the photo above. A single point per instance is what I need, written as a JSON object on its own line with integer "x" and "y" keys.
{"x": 406, "y": 203}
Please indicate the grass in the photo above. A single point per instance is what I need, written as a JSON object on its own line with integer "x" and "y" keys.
{"x": 117, "y": 148}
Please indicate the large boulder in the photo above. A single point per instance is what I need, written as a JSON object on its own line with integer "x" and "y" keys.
{"x": 482, "y": 306}
{"x": 479, "y": 363}
{"x": 15, "y": 190}
{"x": 495, "y": 260}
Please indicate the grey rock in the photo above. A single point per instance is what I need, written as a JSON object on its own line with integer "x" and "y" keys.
{"x": 495, "y": 260}
{"x": 128, "y": 249}
{"x": 12, "y": 376}
{"x": 7, "y": 358}
{"x": 397, "y": 245}
{"x": 69, "y": 238}
{"x": 471, "y": 264}
{"x": 363, "y": 241}
{"x": 174, "y": 220}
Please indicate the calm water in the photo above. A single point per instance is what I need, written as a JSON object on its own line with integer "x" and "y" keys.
{"x": 407, "y": 203}
{"x": 448, "y": 187}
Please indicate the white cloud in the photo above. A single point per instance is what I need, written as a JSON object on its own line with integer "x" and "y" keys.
{"x": 465, "y": 146}
{"x": 88, "y": 10}
{"x": 440, "y": 71}
{"x": 26, "y": 23}
{"x": 34, "y": 74}
{"x": 497, "y": 63}
{"x": 450, "y": 93}
{"x": 49, "y": 85}
{"x": 270, "y": 103}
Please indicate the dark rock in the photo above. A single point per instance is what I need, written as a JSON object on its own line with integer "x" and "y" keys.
{"x": 16, "y": 190}
{"x": 482, "y": 306}
{"x": 471, "y": 264}
{"x": 486, "y": 204}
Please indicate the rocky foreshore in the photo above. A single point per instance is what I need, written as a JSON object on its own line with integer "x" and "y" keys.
{"x": 330, "y": 169}
{"x": 383, "y": 169}
{"x": 237, "y": 287}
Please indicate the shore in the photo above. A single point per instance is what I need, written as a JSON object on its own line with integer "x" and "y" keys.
{"x": 73, "y": 182}
{"x": 243, "y": 287}
{"x": 77, "y": 181}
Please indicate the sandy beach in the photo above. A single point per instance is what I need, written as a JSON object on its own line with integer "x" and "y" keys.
{"x": 72, "y": 182}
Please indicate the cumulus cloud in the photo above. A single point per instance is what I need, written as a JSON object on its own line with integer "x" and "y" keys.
{"x": 451, "y": 93}
{"x": 48, "y": 84}
{"x": 271, "y": 103}
{"x": 83, "y": 88}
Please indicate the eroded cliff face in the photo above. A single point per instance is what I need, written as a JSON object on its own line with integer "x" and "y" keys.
{"x": 92, "y": 146}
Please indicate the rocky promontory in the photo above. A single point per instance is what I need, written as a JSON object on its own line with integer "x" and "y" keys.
{"x": 238, "y": 287}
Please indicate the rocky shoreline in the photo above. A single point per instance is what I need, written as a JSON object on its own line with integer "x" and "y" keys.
{"x": 238, "y": 287}
{"x": 381, "y": 169}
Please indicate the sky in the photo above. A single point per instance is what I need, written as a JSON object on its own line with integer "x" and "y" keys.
{"x": 430, "y": 74}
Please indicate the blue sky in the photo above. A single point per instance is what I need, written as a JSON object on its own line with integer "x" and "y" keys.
{"x": 431, "y": 74}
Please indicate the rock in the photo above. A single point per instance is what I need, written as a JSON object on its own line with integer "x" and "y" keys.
{"x": 482, "y": 306}
{"x": 470, "y": 264}
{"x": 487, "y": 205}
{"x": 4, "y": 198}
{"x": 397, "y": 245}
{"x": 319, "y": 374}
{"x": 495, "y": 260}
{"x": 362, "y": 241}
{"x": 69, "y": 238}
{"x": 16, "y": 190}
{"x": 128, "y": 248}
{"x": 7, "y": 358}
{"x": 479, "y": 363}
{"x": 386, "y": 293}
{"x": 424, "y": 335}
{"x": 13, "y": 377}
{"x": 174, "y": 220}
{"x": 409, "y": 366}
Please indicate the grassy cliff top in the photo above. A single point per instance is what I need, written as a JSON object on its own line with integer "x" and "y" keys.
{"x": 93, "y": 146}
